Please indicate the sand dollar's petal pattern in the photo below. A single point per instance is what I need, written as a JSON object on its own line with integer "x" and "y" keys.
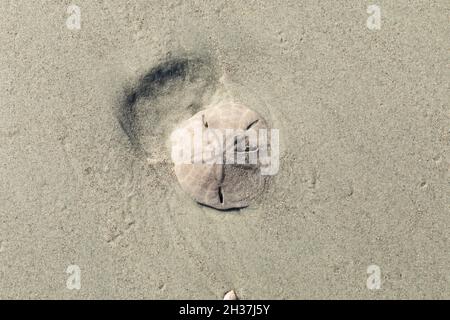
{"x": 219, "y": 180}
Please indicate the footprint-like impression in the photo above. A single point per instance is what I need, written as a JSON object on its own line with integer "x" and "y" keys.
{"x": 171, "y": 91}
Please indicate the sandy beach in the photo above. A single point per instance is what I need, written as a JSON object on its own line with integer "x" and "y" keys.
{"x": 364, "y": 178}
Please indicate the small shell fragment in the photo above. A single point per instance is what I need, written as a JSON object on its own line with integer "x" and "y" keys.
{"x": 230, "y": 295}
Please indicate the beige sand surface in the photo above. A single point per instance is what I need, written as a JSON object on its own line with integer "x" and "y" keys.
{"x": 365, "y": 138}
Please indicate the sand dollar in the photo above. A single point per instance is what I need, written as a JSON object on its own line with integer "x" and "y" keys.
{"x": 215, "y": 155}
